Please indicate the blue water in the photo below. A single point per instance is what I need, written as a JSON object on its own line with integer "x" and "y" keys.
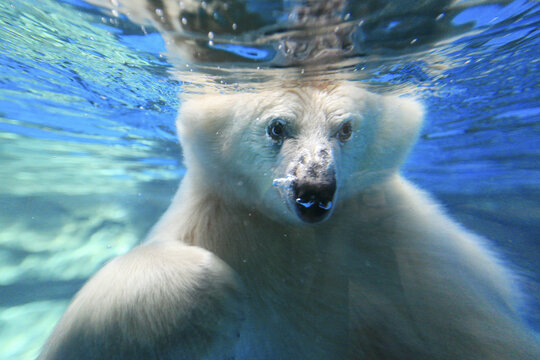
{"x": 89, "y": 158}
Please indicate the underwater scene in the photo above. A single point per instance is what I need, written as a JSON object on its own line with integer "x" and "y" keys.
{"x": 90, "y": 91}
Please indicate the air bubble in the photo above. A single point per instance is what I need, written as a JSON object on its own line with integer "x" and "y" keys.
{"x": 184, "y": 21}
{"x": 306, "y": 204}
{"x": 326, "y": 206}
{"x": 285, "y": 182}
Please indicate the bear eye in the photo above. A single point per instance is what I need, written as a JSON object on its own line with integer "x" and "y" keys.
{"x": 345, "y": 132}
{"x": 277, "y": 130}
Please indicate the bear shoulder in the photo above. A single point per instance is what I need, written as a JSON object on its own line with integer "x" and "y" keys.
{"x": 149, "y": 303}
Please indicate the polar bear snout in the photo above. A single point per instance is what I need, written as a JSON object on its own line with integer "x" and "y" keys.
{"x": 315, "y": 185}
{"x": 314, "y": 201}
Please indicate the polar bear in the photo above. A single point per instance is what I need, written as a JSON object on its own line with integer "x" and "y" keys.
{"x": 293, "y": 236}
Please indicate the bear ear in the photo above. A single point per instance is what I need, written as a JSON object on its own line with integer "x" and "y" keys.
{"x": 202, "y": 127}
{"x": 204, "y": 114}
{"x": 403, "y": 116}
{"x": 399, "y": 124}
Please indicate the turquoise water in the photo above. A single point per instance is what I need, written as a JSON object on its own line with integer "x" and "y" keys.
{"x": 89, "y": 158}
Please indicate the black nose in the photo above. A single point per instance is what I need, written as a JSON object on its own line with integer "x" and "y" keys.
{"x": 314, "y": 201}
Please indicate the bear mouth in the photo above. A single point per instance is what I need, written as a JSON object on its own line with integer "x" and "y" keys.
{"x": 313, "y": 202}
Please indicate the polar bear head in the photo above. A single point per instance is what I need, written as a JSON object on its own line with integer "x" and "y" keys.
{"x": 295, "y": 153}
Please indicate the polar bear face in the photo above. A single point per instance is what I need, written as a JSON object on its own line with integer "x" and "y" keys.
{"x": 294, "y": 154}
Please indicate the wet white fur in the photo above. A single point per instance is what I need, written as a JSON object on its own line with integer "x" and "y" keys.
{"x": 231, "y": 272}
